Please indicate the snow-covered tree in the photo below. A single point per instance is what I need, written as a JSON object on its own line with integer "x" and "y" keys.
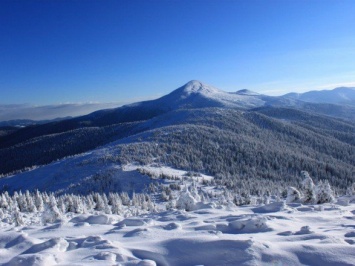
{"x": 242, "y": 199}
{"x": 308, "y": 188}
{"x": 79, "y": 205}
{"x": 90, "y": 202}
{"x": 21, "y": 201}
{"x": 194, "y": 191}
{"x": 38, "y": 201}
{"x": 4, "y": 201}
{"x": 107, "y": 208}
{"x": 31, "y": 206}
{"x": 186, "y": 201}
{"x": 125, "y": 199}
{"x": 51, "y": 212}
{"x": 293, "y": 195}
{"x": 350, "y": 191}
{"x": 324, "y": 192}
{"x": 116, "y": 203}
{"x": 69, "y": 202}
{"x": 17, "y": 218}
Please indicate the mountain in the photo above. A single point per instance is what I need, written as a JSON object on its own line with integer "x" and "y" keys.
{"x": 240, "y": 138}
{"x": 194, "y": 94}
{"x": 341, "y": 95}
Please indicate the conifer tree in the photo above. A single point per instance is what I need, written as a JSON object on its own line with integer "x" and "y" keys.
{"x": 308, "y": 187}
{"x": 324, "y": 192}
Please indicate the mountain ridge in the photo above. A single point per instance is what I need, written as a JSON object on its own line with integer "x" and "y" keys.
{"x": 192, "y": 104}
{"x": 339, "y": 95}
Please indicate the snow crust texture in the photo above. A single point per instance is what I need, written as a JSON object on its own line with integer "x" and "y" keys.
{"x": 273, "y": 234}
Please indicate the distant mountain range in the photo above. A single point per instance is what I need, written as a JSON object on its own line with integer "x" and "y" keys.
{"x": 234, "y": 136}
{"x": 341, "y": 95}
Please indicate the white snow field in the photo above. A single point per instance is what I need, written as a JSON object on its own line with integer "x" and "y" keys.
{"x": 272, "y": 234}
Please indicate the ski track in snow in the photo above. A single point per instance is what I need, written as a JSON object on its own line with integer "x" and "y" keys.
{"x": 273, "y": 234}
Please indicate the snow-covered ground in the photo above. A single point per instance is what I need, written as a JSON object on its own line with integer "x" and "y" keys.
{"x": 273, "y": 234}
{"x": 214, "y": 232}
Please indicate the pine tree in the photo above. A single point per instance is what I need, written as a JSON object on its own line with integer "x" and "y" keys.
{"x": 308, "y": 186}
{"x": 51, "y": 212}
{"x": 31, "y": 207}
{"x": 4, "y": 202}
{"x": 17, "y": 217}
{"x": 100, "y": 205}
{"x": 125, "y": 199}
{"x": 38, "y": 200}
{"x": 107, "y": 208}
{"x": 21, "y": 201}
{"x": 116, "y": 203}
{"x": 90, "y": 202}
{"x": 324, "y": 192}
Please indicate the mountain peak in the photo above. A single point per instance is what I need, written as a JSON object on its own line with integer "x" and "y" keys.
{"x": 195, "y": 86}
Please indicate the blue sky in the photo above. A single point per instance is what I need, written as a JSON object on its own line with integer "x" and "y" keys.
{"x": 124, "y": 51}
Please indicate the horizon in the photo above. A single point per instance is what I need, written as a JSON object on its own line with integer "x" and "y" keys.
{"x": 154, "y": 97}
{"x": 27, "y": 111}
{"x": 67, "y": 52}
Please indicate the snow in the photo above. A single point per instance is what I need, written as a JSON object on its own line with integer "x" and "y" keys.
{"x": 198, "y": 94}
{"x": 55, "y": 176}
{"x": 340, "y": 95}
{"x": 273, "y": 234}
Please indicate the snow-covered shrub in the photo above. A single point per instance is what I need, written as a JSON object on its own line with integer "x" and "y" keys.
{"x": 242, "y": 199}
{"x": 293, "y": 195}
{"x": 324, "y": 192}
{"x": 186, "y": 201}
{"x": 309, "y": 195}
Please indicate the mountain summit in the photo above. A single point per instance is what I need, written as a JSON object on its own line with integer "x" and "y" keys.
{"x": 195, "y": 86}
{"x": 196, "y": 94}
